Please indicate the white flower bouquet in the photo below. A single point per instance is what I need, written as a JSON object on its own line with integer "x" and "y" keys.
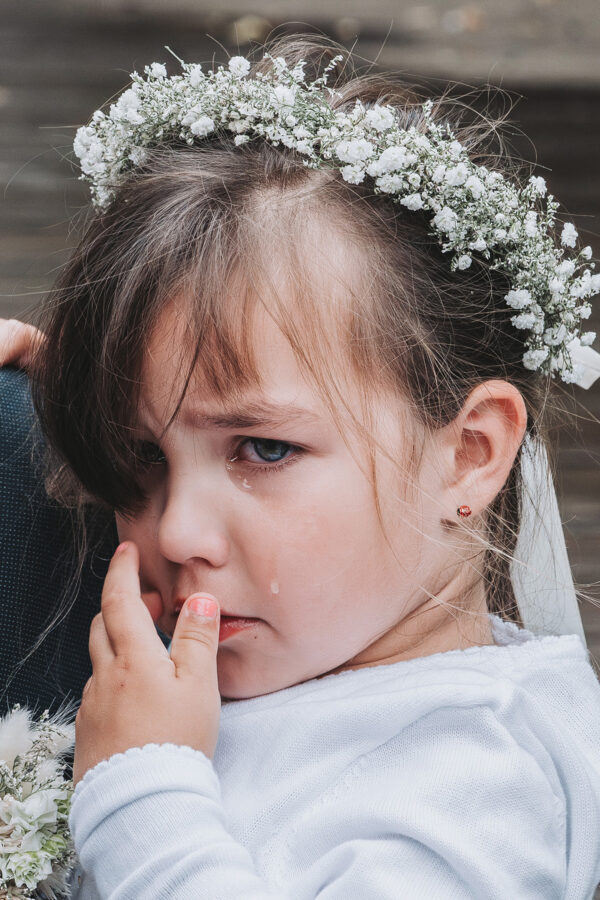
{"x": 36, "y": 850}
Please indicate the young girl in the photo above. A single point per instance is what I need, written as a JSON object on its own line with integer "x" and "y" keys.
{"x": 298, "y": 352}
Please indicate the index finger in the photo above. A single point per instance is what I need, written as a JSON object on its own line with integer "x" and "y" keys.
{"x": 126, "y": 618}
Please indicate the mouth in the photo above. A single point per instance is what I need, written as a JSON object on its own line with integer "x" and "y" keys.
{"x": 224, "y": 615}
{"x": 230, "y": 623}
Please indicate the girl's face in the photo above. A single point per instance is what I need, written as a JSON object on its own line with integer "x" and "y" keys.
{"x": 278, "y": 522}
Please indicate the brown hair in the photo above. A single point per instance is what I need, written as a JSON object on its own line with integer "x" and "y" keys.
{"x": 202, "y": 223}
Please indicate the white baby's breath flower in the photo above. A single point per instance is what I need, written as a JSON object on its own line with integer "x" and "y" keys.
{"x": 445, "y": 220}
{"x": 555, "y": 335}
{"x": 412, "y": 201}
{"x": 126, "y": 109}
{"x": 157, "y": 70}
{"x": 390, "y": 184}
{"x": 518, "y": 299}
{"x": 457, "y": 175}
{"x": 531, "y": 227}
{"x": 566, "y": 268}
{"x": 138, "y": 156}
{"x": 353, "y": 174}
{"x": 524, "y": 320}
{"x": 575, "y": 376}
{"x": 196, "y": 75}
{"x": 379, "y": 117}
{"x": 473, "y": 208}
{"x": 202, "y": 126}
{"x": 393, "y": 159}
{"x": 284, "y": 95}
{"x": 588, "y": 338}
{"x": 354, "y": 151}
{"x": 239, "y": 66}
{"x": 305, "y": 147}
{"x": 300, "y": 131}
{"x": 569, "y": 235}
{"x": 532, "y": 359}
{"x": 475, "y": 186}
{"x": 538, "y": 184}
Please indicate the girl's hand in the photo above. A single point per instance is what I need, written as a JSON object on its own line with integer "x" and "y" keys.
{"x": 18, "y": 341}
{"x": 138, "y": 694}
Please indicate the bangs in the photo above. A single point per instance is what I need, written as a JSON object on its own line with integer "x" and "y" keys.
{"x": 291, "y": 267}
{"x": 199, "y": 239}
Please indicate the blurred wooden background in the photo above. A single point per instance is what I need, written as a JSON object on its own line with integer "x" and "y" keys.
{"x": 61, "y": 61}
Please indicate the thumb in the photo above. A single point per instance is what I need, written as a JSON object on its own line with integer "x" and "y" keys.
{"x": 196, "y": 637}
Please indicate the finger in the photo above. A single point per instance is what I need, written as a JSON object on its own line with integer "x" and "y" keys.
{"x": 127, "y": 621}
{"x": 86, "y": 687}
{"x": 100, "y": 647}
{"x": 18, "y": 342}
{"x": 196, "y": 637}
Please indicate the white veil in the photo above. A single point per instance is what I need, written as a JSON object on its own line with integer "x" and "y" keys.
{"x": 541, "y": 575}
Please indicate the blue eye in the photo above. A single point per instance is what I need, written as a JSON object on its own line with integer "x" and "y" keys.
{"x": 271, "y": 452}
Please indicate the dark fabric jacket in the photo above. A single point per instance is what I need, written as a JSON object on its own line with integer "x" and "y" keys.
{"x": 37, "y": 559}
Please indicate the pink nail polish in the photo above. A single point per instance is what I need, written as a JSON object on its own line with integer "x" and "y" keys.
{"x": 202, "y": 606}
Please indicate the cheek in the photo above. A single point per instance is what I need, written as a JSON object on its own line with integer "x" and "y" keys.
{"x": 314, "y": 545}
{"x": 140, "y": 531}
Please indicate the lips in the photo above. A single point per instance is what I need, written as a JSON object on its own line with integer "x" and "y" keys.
{"x": 180, "y": 601}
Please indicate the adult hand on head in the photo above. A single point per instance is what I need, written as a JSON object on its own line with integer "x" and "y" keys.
{"x": 137, "y": 693}
{"x": 18, "y": 342}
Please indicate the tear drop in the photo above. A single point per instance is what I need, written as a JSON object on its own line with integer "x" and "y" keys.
{"x": 274, "y": 587}
{"x": 246, "y": 484}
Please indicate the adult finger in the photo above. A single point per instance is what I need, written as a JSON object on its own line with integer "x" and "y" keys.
{"x": 18, "y": 341}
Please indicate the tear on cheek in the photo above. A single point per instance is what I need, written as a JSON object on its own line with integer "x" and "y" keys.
{"x": 154, "y": 603}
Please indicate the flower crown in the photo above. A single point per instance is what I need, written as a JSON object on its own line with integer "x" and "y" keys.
{"x": 474, "y": 210}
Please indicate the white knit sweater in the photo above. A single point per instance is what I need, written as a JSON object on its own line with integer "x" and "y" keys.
{"x": 466, "y": 774}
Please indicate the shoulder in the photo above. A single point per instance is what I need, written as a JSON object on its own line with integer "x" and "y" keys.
{"x": 453, "y": 799}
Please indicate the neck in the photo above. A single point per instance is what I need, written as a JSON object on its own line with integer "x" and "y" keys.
{"x": 454, "y": 619}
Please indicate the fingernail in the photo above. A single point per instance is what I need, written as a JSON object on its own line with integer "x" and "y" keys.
{"x": 121, "y": 548}
{"x": 203, "y": 606}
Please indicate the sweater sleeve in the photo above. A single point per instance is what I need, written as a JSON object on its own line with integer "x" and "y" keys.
{"x": 429, "y": 814}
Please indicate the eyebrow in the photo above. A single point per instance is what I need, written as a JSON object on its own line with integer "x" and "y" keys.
{"x": 253, "y": 415}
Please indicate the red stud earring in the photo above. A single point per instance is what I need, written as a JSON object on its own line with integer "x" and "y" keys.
{"x": 463, "y": 511}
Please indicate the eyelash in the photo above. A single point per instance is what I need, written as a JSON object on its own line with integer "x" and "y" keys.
{"x": 268, "y": 468}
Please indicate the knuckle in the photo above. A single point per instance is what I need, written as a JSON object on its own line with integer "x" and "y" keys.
{"x": 124, "y": 665}
{"x": 199, "y": 637}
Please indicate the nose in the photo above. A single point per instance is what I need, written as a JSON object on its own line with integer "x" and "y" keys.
{"x": 191, "y": 526}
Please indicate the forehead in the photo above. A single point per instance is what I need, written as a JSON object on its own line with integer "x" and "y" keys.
{"x": 280, "y": 383}
{"x": 277, "y": 322}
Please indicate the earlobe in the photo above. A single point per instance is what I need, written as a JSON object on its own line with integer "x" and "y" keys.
{"x": 485, "y": 439}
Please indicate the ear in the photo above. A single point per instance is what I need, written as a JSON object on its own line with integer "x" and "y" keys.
{"x": 479, "y": 446}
